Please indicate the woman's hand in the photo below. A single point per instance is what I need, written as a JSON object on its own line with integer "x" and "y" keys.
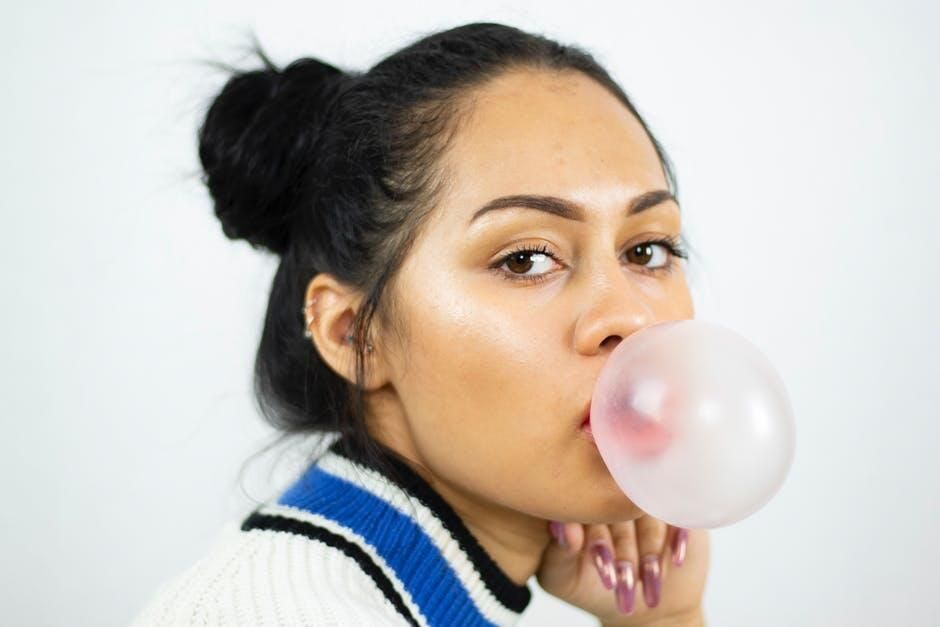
{"x": 594, "y": 566}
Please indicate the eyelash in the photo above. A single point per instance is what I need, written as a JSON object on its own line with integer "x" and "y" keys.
{"x": 671, "y": 244}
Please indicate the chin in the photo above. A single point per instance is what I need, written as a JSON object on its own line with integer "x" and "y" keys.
{"x": 617, "y": 507}
{"x": 607, "y": 508}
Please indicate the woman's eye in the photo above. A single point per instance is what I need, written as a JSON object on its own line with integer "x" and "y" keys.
{"x": 529, "y": 265}
{"x": 533, "y": 264}
{"x": 641, "y": 254}
{"x": 522, "y": 262}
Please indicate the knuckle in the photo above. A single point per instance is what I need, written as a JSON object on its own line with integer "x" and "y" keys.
{"x": 651, "y": 532}
{"x": 624, "y": 537}
{"x": 593, "y": 533}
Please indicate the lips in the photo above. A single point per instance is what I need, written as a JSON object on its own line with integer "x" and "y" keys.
{"x": 586, "y": 422}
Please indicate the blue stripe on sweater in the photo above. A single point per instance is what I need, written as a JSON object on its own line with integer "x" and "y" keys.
{"x": 398, "y": 538}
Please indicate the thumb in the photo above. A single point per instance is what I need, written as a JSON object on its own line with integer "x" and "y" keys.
{"x": 558, "y": 571}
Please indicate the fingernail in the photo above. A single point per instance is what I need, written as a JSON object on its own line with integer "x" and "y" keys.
{"x": 603, "y": 561}
{"x": 651, "y": 581}
{"x": 679, "y": 545}
{"x": 626, "y": 586}
{"x": 558, "y": 530}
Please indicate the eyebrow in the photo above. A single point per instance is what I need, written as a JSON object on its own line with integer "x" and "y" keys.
{"x": 568, "y": 209}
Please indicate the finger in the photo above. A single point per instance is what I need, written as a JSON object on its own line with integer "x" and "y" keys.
{"x": 674, "y": 553}
{"x": 625, "y": 559}
{"x": 651, "y": 542}
{"x": 562, "y": 564}
{"x": 600, "y": 551}
{"x": 678, "y": 544}
{"x": 568, "y": 536}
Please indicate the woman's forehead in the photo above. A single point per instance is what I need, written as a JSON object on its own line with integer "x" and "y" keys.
{"x": 555, "y": 134}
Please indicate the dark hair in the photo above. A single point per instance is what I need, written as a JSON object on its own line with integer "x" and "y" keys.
{"x": 335, "y": 171}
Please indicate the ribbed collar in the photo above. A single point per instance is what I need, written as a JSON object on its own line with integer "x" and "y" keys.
{"x": 403, "y": 532}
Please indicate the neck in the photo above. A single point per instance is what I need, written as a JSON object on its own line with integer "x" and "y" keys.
{"x": 513, "y": 539}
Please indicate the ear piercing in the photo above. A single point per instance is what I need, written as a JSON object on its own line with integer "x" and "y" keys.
{"x": 307, "y": 305}
{"x": 349, "y": 338}
{"x": 310, "y": 302}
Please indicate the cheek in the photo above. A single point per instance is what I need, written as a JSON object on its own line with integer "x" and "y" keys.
{"x": 491, "y": 403}
{"x": 669, "y": 299}
{"x": 476, "y": 370}
{"x": 484, "y": 381}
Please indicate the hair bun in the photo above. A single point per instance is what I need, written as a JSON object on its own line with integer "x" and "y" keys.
{"x": 256, "y": 142}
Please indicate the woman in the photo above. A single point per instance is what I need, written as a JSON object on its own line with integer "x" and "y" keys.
{"x": 465, "y": 233}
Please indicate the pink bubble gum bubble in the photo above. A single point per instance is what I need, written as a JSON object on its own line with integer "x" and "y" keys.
{"x": 643, "y": 426}
{"x": 642, "y": 435}
{"x": 693, "y": 423}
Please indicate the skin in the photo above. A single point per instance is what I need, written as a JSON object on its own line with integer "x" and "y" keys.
{"x": 485, "y": 389}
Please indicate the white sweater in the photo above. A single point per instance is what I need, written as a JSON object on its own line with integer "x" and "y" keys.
{"x": 345, "y": 545}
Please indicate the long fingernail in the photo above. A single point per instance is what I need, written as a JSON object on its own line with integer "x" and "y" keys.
{"x": 558, "y": 530}
{"x": 603, "y": 561}
{"x": 626, "y": 586}
{"x": 679, "y": 545}
{"x": 651, "y": 580}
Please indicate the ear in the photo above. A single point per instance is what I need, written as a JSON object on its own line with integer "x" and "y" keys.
{"x": 329, "y": 310}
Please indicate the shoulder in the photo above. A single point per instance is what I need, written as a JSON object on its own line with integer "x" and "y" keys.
{"x": 263, "y": 576}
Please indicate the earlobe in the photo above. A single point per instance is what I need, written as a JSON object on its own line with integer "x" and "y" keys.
{"x": 329, "y": 311}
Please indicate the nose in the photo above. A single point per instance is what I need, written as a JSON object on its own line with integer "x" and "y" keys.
{"x": 614, "y": 307}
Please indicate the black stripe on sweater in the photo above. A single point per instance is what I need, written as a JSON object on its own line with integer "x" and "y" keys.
{"x": 257, "y": 520}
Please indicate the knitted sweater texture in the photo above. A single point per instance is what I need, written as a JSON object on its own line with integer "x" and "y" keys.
{"x": 346, "y": 544}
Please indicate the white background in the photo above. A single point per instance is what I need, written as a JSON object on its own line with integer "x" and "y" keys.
{"x": 805, "y": 138}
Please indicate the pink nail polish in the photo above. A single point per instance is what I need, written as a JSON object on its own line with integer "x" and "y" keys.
{"x": 558, "y": 530}
{"x": 679, "y": 546}
{"x": 626, "y": 586}
{"x": 651, "y": 580}
{"x": 603, "y": 561}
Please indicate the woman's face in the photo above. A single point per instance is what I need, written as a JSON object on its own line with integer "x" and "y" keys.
{"x": 502, "y": 354}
